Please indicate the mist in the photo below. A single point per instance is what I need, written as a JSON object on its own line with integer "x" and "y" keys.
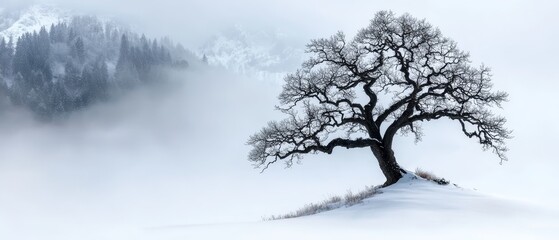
{"x": 174, "y": 153}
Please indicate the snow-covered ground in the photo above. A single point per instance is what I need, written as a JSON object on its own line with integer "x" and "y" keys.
{"x": 410, "y": 209}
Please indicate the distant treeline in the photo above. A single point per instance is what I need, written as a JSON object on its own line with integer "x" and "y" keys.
{"x": 75, "y": 64}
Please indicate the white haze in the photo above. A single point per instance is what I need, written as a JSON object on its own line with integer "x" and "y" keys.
{"x": 160, "y": 156}
{"x": 176, "y": 154}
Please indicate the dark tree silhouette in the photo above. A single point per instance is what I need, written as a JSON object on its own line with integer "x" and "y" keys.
{"x": 395, "y": 74}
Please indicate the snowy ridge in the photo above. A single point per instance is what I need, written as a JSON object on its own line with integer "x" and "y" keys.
{"x": 29, "y": 20}
{"x": 259, "y": 54}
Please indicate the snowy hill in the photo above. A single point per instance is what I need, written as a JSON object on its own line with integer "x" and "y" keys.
{"x": 412, "y": 208}
{"x": 263, "y": 54}
{"x": 16, "y": 23}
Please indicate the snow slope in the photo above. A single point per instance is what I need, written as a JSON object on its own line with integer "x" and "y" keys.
{"x": 412, "y": 208}
{"x": 16, "y": 23}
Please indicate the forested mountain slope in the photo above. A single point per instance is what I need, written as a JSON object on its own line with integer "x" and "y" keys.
{"x": 70, "y": 65}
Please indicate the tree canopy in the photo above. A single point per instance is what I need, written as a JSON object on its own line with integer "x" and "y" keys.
{"x": 395, "y": 74}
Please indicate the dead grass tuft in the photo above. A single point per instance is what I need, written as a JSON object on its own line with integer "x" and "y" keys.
{"x": 430, "y": 176}
{"x": 333, "y": 202}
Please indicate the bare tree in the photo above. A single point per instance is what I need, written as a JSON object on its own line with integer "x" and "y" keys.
{"x": 395, "y": 74}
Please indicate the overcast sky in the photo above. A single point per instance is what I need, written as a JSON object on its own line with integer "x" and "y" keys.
{"x": 151, "y": 160}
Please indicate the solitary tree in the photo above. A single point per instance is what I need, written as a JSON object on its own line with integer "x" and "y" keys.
{"x": 395, "y": 74}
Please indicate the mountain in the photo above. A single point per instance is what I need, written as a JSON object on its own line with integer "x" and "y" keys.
{"x": 15, "y": 23}
{"x": 262, "y": 54}
{"x": 60, "y": 63}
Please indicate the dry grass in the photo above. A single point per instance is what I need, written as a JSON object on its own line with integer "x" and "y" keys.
{"x": 351, "y": 199}
{"x": 425, "y": 174}
{"x": 334, "y": 202}
{"x": 430, "y": 176}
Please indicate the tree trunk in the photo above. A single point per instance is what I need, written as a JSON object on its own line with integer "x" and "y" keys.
{"x": 387, "y": 162}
